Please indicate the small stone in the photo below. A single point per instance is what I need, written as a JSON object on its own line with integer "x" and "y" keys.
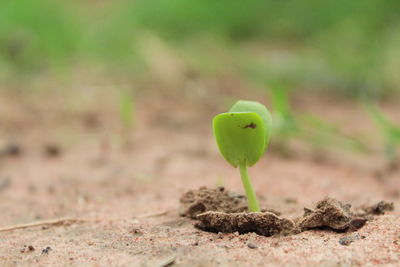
{"x": 46, "y": 250}
{"x": 347, "y": 240}
{"x": 251, "y": 245}
{"x": 11, "y": 149}
{"x": 357, "y": 223}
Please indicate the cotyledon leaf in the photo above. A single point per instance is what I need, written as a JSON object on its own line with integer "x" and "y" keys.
{"x": 260, "y": 109}
{"x": 241, "y": 137}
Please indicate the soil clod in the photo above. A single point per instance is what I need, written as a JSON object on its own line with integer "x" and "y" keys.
{"x": 328, "y": 213}
{"x": 219, "y": 210}
{"x": 263, "y": 223}
{"x": 378, "y": 209}
{"x": 206, "y": 199}
{"x": 26, "y": 248}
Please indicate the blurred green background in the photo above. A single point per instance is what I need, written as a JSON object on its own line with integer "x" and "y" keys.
{"x": 349, "y": 47}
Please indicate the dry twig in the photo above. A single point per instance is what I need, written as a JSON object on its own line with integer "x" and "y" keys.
{"x": 55, "y": 222}
{"x": 154, "y": 214}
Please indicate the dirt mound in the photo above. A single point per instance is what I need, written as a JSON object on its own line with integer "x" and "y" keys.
{"x": 195, "y": 202}
{"x": 219, "y": 210}
{"x": 263, "y": 223}
{"x": 377, "y": 209}
{"x": 329, "y": 213}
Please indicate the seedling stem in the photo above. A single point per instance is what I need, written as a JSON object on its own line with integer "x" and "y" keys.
{"x": 251, "y": 196}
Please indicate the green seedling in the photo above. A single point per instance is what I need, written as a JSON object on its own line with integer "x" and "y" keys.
{"x": 390, "y": 131}
{"x": 316, "y": 131}
{"x": 321, "y": 133}
{"x": 242, "y": 136}
{"x": 286, "y": 126}
{"x": 126, "y": 107}
{"x": 284, "y": 118}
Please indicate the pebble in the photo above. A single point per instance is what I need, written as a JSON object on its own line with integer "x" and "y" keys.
{"x": 251, "y": 245}
{"x": 46, "y": 250}
{"x": 347, "y": 240}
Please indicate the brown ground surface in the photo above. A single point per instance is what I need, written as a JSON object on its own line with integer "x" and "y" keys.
{"x": 131, "y": 196}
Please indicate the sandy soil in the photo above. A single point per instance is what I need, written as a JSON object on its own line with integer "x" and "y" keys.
{"x": 130, "y": 197}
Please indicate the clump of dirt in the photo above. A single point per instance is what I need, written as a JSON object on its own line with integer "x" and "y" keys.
{"x": 219, "y": 210}
{"x": 329, "y": 213}
{"x": 51, "y": 150}
{"x": 195, "y": 202}
{"x": 263, "y": 223}
{"x": 377, "y": 209}
{"x": 26, "y": 248}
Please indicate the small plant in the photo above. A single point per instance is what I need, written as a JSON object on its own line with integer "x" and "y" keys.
{"x": 317, "y": 132}
{"x": 126, "y": 106}
{"x": 242, "y": 136}
{"x": 391, "y": 132}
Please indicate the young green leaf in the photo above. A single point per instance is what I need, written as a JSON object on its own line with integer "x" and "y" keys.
{"x": 241, "y": 137}
{"x": 260, "y": 109}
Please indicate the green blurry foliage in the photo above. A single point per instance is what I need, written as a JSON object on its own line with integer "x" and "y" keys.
{"x": 390, "y": 131}
{"x": 37, "y": 34}
{"x": 126, "y": 107}
{"x": 351, "y": 46}
{"x": 292, "y": 124}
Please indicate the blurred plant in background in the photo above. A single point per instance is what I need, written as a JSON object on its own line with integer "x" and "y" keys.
{"x": 318, "y": 133}
{"x": 126, "y": 107}
{"x": 390, "y": 132}
{"x": 346, "y": 46}
{"x": 36, "y": 35}
{"x": 350, "y": 48}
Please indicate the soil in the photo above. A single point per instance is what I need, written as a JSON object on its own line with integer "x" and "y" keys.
{"x": 126, "y": 201}
{"x": 199, "y": 201}
{"x": 217, "y": 211}
{"x": 263, "y": 223}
